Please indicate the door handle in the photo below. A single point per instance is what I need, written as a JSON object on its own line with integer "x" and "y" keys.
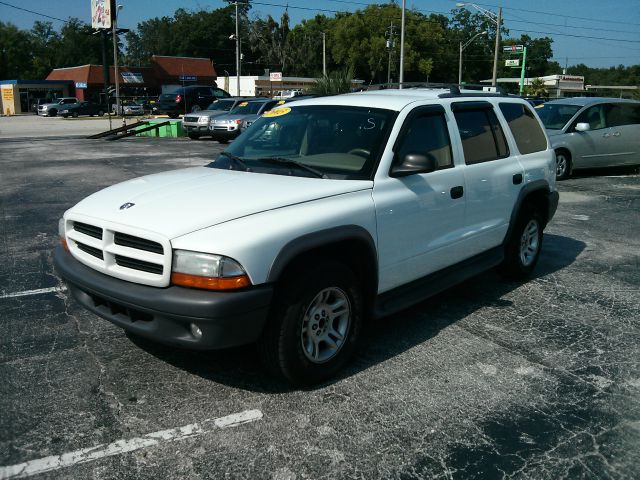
{"x": 617, "y": 134}
{"x": 517, "y": 179}
{"x": 457, "y": 192}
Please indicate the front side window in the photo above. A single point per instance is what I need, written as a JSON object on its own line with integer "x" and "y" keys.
{"x": 594, "y": 116}
{"x": 341, "y": 142}
{"x": 428, "y": 135}
{"x": 525, "y": 127}
{"x": 482, "y": 137}
{"x": 555, "y": 116}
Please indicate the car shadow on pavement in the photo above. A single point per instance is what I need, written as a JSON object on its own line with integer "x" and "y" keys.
{"x": 384, "y": 338}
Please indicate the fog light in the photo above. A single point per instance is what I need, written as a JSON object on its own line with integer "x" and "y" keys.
{"x": 196, "y": 332}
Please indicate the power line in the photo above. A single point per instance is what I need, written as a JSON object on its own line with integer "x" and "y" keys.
{"x": 35, "y": 13}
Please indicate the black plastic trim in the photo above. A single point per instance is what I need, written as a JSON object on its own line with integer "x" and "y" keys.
{"x": 415, "y": 292}
{"x": 225, "y": 318}
{"x": 318, "y": 239}
{"x": 462, "y": 106}
{"x": 529, "y": 188}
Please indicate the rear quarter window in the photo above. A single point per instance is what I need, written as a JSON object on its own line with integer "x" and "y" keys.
{"x": 525, "y": 128}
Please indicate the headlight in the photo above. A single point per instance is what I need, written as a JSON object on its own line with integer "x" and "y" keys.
{"x": 62, "y": 235}
{"x": 207, "y": 271}
{"x": 203, "y": 120}
{"x": 44, "y": 107}
{"x": 64, "y": 111}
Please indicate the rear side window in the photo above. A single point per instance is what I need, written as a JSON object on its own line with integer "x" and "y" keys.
{"x": 482, "y": 137}
{"x": 427, "y": 134}
{"x": 620, "y": 114}
{"x": 524, "y": 127}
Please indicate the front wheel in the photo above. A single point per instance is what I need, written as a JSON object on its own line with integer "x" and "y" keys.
{"x": 524, "y": 245}
{"x": 100, "y": 113}
{"x": 74, "y": 114}
{"x": 563, "y": 165}
{"x": 315, "y": 324}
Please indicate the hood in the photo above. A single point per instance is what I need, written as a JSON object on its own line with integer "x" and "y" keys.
{"x": 231, "y": 117}
{"x": 182, "y": 201}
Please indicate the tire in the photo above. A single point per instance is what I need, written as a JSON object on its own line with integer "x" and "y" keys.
{"x": 100, "y": 113}
{"x": 290, "y": 345}
{"x": 223, "y": 140}
{"x": 563, "y": 164}
{"x": 74, "y": 114}
{"x": 174, "y": 115}
{"x": 193, "y": 136}
{"x": 524, "y": 245}
{"x": 53, "y": 113}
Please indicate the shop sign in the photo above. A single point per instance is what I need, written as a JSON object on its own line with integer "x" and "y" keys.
{"x": 101, "y": 13}
{"x": 275, "y": 76}
{"x": 188, "y": 78}
{"x": 7, "y": 94}
{"x": 132, "y": 77}
{"x": 81, "y": 84}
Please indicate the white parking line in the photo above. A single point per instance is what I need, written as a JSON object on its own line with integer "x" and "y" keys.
{"x": 32, "y": 292}
{"x": 119, "y": 447}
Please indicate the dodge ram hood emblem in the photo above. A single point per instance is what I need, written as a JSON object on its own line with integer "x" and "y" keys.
{"x": 124, "y": 206}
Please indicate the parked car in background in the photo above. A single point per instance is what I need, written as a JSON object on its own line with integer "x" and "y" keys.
{"x": 52, "y": 109}
{"x": 249, "y": 119}
{"x": 592, "y": 132}
{"x": 187, "y": 100}
{"x": 197, "y": 124}
{"x": 227, "y": 127}
{"x": 128, "y": 107}
{"x": 82, "y": 108}
{"x": 286, "y": 94}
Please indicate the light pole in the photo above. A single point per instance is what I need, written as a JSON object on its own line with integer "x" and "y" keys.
{"x": 497, "y": 19}
{"x": 115, "y": 59}
{"x": 462, "y": 47}
{"x": 236, "y": 36}
{"x": 324, "y": 54}
{"x": 401, "y": 77}
{"x": 390, "y": 47}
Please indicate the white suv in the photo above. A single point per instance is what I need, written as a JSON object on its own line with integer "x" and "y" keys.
{"x": 323, "y": 214}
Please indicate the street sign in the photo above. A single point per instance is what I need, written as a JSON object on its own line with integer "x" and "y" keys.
{"x": 81, "y": 84}
{"x": 513, "y": 48}
{"x": 275, "y": 76}
{"x": 515, "y": 62}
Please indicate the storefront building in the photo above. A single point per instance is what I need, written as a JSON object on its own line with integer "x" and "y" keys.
{"x": 21, "y": 96}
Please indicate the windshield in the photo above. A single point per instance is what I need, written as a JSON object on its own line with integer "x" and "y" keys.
{"x": 247, "y": 108}
{"x": 225, "y": 105}
{"x": 341, "y": 142}
{"x": 555, "y": 116}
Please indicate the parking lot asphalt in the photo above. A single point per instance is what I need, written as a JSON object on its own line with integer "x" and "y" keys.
{"x": 490, "y": 379}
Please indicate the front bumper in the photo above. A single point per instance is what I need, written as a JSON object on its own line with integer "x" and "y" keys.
{"x": 224, "y": 134}
{"x": 165, "y": 315}
{"x": 200, "y": 129}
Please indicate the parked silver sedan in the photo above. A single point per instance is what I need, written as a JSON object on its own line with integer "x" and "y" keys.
{"x": 196, "y": 124}
{"x": 592, "y": 132}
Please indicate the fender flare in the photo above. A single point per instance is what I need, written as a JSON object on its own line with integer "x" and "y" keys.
{"x": 318, "y": 239}
{"x": 529, "y": 188}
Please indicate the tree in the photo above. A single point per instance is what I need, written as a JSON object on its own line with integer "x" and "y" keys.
{"x": 536, "y": 88}
{"x": 334, "y": 83}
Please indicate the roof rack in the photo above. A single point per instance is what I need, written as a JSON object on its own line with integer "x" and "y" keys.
{"x": 454, "y": 89}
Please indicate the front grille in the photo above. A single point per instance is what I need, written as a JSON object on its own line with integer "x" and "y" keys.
{"x": 114, "y": 308}
{"x": 90, "y": 230}
{"x": 220, "y": 128}
{"x": 138, "y": 243}
{"x": 191, "y": 119}
{"x": 136, "y": 264}
{"x": 96, "y": 252}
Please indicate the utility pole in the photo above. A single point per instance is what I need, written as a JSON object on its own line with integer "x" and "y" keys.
{"x": 401, "y": 79}
{"x": 390, "y": 46}
{"x": 115, "y": 59}
{"x": 494, "y": 79}
{"x": 324, "y": 54}
{"x": 237, "y": 51}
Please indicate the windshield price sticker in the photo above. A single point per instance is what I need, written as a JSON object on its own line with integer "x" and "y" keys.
{"x": 277, "y": 112}
{"x": 281, "y": 102}
{"x": 243, "y": 104}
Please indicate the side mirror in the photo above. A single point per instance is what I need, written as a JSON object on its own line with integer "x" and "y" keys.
{"x": 583, "y": 127}
{"x": 413, "y": 163}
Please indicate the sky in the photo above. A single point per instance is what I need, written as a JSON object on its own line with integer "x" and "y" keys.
{"x": 599, "y": 33}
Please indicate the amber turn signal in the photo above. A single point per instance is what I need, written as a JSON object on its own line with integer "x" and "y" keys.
{"x": 210, "y": 283}
{"x": 63, "y": 243}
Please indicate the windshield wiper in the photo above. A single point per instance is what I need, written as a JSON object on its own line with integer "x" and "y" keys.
{"x": 291, "y": 162}
{"x": 236, "y": 159}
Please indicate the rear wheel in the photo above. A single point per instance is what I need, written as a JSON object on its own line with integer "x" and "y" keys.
{"x": 563, "y": 164}
{"x": 193, "y": 136}
{"x": 315, "y": 323}
{"x": 100, "y": 113}
{"x": 74, "y": 114}
{"x": 524, "y": 245}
